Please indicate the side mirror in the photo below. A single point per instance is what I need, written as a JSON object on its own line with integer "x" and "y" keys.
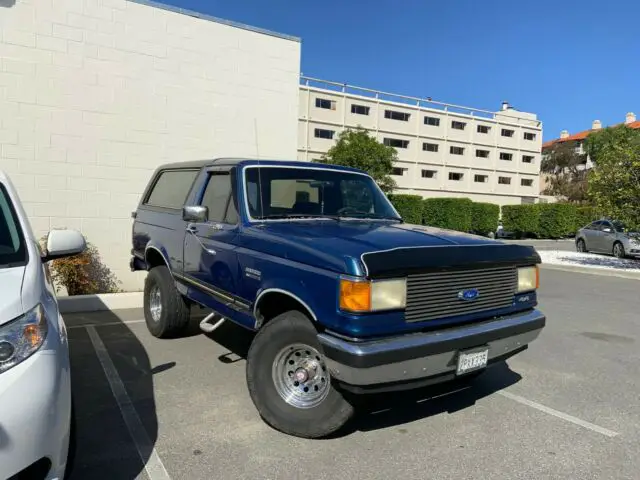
{"x": 195, "y": 213}
{"x": 64, "y": 243}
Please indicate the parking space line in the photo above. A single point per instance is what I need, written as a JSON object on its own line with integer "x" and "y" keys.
{"x": 569, "y": 418}
{"x": 104, "y": 324}
{"x": 154, "y": 467}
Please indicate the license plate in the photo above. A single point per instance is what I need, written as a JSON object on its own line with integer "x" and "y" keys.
{"x": 470, "y": 361}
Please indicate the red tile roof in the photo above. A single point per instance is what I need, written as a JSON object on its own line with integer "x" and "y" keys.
{"x": 584, "y": 134}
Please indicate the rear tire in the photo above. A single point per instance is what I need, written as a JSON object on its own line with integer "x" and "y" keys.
{"x": 618, "y": 250}
{"x": 166, "y": 312}
{"x": 581, "y": 246}
{"x": 284, "y": 351}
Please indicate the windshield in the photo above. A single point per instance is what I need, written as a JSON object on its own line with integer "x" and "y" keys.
{"x": 276, "y": 192}
{"x": 12, "y": 246}
{"x": 619, "y": 227}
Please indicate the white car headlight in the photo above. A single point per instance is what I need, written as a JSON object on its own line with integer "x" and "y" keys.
{"x": 528, "y": 279}
{"x": 22, "y": 337}
{"x": 389, "y": 294}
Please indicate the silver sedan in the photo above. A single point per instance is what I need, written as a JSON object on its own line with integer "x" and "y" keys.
{"x": 610, "y": 237}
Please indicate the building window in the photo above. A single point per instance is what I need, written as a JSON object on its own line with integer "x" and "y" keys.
{"x": 506, "y": 156}
{"x": 482, "y": 153}
{"x": 326, "y": 104}
{"x": 481, "y": 178}
{"x": 527, "y": 159}
{"x": 529, "y": 136}
{"x": 456, "y": 150}
{"x": 455, "y": 176}
{"x": 526, "y": 182}
{"x": 322, "y": 133}
{"x": 507, "y": 133}
{"x": 433, "y": 121}
{"x": 396, "y": 143}
{"x": 429, "y": 174}
{"x": 483, "y": 129}
{"x": 430, "y": 147}
{"x": 398, "y": 171}
{"x": 359, "y": 109}
{"x": 458, "y": 125}
{"x": 504, "y": 180}
{"x": 393, "y": 115}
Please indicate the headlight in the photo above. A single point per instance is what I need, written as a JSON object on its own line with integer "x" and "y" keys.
{"x": 367, "y": 296}
{"x": 528, "y": 279}
{"x": 22, "y": 337}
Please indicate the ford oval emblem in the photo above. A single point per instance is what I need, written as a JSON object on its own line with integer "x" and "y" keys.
{"x": 468, "y": 294}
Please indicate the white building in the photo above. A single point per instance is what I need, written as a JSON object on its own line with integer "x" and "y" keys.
{"x": 95, "y": 94}
{"x": 444, "y": 150}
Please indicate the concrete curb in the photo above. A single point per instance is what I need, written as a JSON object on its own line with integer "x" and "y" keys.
{"x": 592, "y": 271}
{"x": 107, "y": 301}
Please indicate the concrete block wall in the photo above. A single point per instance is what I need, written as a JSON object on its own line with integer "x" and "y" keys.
{"x": 95, "y": 94}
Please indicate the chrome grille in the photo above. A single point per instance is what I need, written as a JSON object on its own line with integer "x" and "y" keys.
{"x": 435, "y": 295}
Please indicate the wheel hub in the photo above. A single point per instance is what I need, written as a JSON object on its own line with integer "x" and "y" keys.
{"x": 155, "y": 303}
{"x": 300, "y": 376}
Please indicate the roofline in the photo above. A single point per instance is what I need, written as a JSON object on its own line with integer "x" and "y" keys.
{"x": 242, "y": 161}
{"x": 576, "y": 137}
{"x": 210, "y": 18}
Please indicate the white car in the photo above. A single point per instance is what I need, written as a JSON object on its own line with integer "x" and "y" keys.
{"x": 35, "y": 382}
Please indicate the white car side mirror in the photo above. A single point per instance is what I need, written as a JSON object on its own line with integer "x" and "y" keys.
{"x": 64, "y": 243}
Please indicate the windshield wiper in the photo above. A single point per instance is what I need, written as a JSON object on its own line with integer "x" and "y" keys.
{"x": 376, "y": 217}
{"x": 297, "y": 215}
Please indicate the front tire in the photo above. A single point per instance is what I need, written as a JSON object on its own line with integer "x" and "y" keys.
{"x": 165, "y": 310}
{"x": 618, "y": 250}
{"x": 289, "y": 382}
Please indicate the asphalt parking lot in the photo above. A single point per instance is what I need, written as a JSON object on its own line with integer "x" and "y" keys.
{"x": 566, "y": 408}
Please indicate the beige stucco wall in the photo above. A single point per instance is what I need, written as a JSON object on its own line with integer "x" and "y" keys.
{"x": 94, "y": 94}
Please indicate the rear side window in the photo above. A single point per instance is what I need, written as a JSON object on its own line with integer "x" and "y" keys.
{"x": 218, "y": 199}
{"x": 171, "y": 188}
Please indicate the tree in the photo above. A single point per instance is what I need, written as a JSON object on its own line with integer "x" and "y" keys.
{"x": 614, "y": 181}
{"x": 357, "y": 149}
{"x": 566, "y": 172}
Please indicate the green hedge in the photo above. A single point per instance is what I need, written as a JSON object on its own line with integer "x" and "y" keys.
{"x": 556, "y": 220}
{"x": 521, "y": 220}
{"x": 449, "y": 213}
{"x": 409, "y": 207}
{"x": 484, "y": 218}
{"x": 584, "y": 216}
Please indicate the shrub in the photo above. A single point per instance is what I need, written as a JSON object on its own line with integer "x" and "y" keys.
{"x": 556, "y": 220}
{"x": 521, "y": 220}
{"x": 484, "y": 217}
{"x": 409, "y": 207}
{"x": 83, "y": 274}
{"x": 449, "y": 213}
{"x": 584, "y": 216}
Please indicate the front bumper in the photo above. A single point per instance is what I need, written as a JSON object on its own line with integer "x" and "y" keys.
{"x": 35, "y": 415}
{"x": 426, "y": 355}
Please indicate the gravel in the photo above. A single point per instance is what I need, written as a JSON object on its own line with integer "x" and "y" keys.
{"x": 590, "y": 260}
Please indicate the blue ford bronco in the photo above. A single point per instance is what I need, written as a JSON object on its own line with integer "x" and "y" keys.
{"x": 344, "y": 296}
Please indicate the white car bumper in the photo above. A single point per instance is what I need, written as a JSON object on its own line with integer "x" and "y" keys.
{"x": 35, "y": 414}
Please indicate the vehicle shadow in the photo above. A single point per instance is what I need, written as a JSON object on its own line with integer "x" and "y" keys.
{"x": 110, "y": 373}
{"x": 384, "y": 410}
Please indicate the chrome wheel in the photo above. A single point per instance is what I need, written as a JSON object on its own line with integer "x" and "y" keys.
{"x": 155, "y": 303}
{"x": 618, "y": 250}
{"x": 300, "y": 376}
{"x": 581, "y": 246}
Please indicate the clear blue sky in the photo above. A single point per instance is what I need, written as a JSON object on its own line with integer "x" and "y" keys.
{"x": 568, "y": 61}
